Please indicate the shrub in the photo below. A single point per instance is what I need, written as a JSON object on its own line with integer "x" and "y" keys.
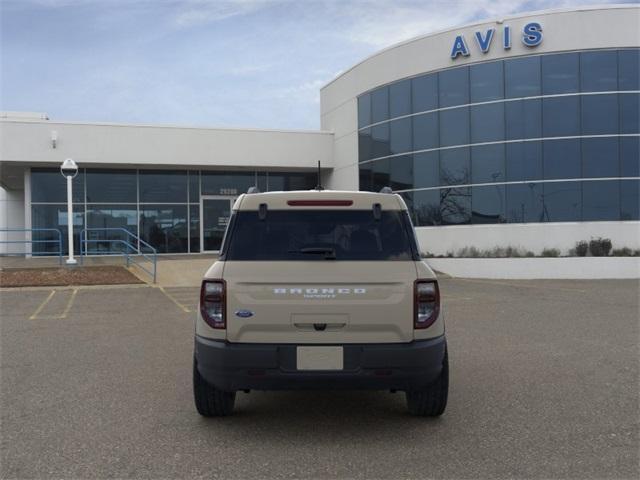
{"x": 581, "y": 249}
{"x": 529, "y": 253}
{"x": 427, "y": 254}
{"x": 625, "y": 252}
{"x": 550, "y": 252}
{"x": 600, "y": 247}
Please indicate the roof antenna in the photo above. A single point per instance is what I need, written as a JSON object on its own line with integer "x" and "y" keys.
{"x": 319, "y": 186}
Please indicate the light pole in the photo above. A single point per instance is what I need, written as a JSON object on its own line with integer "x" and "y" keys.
{"x": 69, "y": 170}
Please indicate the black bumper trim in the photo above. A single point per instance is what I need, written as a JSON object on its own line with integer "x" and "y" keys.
{"x": 255, "y": 366}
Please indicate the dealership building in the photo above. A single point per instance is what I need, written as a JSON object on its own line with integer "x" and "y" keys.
{"x": 520, "y": 131}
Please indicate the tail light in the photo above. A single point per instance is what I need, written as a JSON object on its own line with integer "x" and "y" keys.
{"x": 212, "y": 303}
{"x": 427, "y": 303}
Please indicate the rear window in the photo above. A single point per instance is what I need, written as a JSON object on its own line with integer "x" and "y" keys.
{"x": 319, "y": 235}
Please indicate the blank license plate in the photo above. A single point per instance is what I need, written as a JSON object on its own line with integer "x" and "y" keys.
{"x": 320, "y": 358}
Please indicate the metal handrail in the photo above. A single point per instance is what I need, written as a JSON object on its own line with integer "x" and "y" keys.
{"x": 149, "y": 256}
{"x": 32, "y": 241}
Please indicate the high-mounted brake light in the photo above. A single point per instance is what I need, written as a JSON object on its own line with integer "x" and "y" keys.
{"x": 427, "y": 303}
{"x": 319, "y": 203}
{"x": 212, "y": 303}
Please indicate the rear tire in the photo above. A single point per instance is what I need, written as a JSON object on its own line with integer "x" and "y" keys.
{"x": 432, "y": 401}
{"x": 211, "y": 402}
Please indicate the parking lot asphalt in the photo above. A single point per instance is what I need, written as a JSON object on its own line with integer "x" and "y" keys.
{"x": 96, "y": 382}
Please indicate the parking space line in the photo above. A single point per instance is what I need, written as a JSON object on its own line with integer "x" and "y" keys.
{"x": 58, "y": 316}
{"x": 42, "y": 305}
{"x": 170, "y": 297}
{"x": 68, "y": 307}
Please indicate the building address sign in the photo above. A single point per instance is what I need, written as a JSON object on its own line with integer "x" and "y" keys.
{"x": 531, "y": 37}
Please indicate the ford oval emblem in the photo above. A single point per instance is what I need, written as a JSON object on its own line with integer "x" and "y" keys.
{"x": 244, "y": 313}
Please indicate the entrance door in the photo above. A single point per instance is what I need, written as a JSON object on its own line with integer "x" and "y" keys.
{"x": 214, "y": 216}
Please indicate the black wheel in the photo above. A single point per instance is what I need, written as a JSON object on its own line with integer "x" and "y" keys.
{"x": 211, "y": 402}
{"x": 432, "y": 401}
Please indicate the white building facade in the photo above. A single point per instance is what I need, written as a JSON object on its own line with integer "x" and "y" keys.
{"x": 518, "y": 132}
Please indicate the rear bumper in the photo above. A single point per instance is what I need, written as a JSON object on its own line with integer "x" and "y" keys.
{"x": 244, "y": 366}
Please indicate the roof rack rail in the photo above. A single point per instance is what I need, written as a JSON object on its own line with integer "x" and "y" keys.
{"x": 253, "y": 190}
{"x": 386, "y": 190}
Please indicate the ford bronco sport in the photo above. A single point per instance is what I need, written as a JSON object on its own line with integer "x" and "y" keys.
{"x": 320, "y": 290}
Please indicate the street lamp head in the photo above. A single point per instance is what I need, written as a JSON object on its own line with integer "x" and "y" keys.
{"x": 69, "y": 168}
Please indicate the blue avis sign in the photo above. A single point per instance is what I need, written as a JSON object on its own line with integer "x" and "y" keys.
{"x": 531, "y": 37}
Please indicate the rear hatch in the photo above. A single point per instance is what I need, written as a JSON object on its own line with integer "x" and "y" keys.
{"x": 336, "y": 275}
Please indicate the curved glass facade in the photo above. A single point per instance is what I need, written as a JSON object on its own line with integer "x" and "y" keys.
{"x": 541, "y": 138}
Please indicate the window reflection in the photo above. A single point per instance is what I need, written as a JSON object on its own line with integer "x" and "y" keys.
{"x": 560, "y": 73}
{"x": 165, "y": 227}
{"x": 112, "y": 186}
{"x": 454, "y": 127}
{"x": 599, "y": 114}
{"x": 380, "y": 105}
{"x": 522, "y": 77}
{"x": 561, "y": 159}
{"x": 400, "y": 135}
{"x": 48, "y": 185}
{"x": 524, "y": 203}
{"x": 454, "y": 87}
{"x": 629, "y": 199}
{"x": 600, "y": 157}
{"x": 166, "y": 186}
{"x": 487, "y": 81}
{"x": 601, "y": 200}
{"x": 599, "y": 71}
{"x": 562, "y": 201}
{"x": 488, "y": 204}
{"x": 424, "y": 93}
{"x": 455, "y": 167}
{"x": 487, "y": 164}
{"x": 455, "y": 205}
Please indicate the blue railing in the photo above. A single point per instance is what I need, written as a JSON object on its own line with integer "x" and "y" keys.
{"x": 57, "y": 241}
{"x": 132, "y": 247}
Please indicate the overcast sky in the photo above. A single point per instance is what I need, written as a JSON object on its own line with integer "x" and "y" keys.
{"x": 239, "y": 63}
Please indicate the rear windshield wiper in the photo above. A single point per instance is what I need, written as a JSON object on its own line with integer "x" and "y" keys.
{"x": 329, "y": 253}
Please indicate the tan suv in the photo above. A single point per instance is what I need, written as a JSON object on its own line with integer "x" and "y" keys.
{"x": 320, "y": 290}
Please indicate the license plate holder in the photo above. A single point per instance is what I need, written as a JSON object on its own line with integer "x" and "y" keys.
{"x": 320, "y": 358}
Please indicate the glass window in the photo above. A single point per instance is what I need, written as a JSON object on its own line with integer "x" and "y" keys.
{"x": 380, "y": 170}
{"x": 599, "y": 114}
{"x": 487, "y": 164}
{"x": 629, "y": 69}
{"x": 560, "y": 73}
{"x": 629, "y": 112}
{"x": 425, "y": 131}
{"x": 112, "y": 186}
{"x": 524, "y": 203}
{"x": 401, "y": 172}
{"x": 426, "y": 169}
{"x": 286, "y": 181}
{"x": 454, "y": 127}
{"x": 600, "y": 157}
{"x": 424, "y": 93}
{"x": 194, "y": 186}
{"x": 487, "y": 123}
{"x": 523, "y": 119}
{"x": 380, "y": 141}
{"x": 165, "y": 227}
{"x": 487, "y": 81}
{"x": 400, "y": 98}
{"x": 455, "y": 167}
{"x": 380, "y": 105}
{"x": 262, "y": 181}
{"x": 561, "y": 159}
{"x": 455, "y": 205}
{"x": 426, "y": 207}
{"x": 524, "y": 161}
{"x": 630, "y": 157}
{"x": 488, "y": 204}
{"x": 400, "y": 135}
{"x": 194, "y": 228}
{"x": 454, "y": 87}
{"x": 55, "y": 216}
{"x": 522, "y": 77}
{"x": 629, "y": 200}
{"x": 599, "y": 71}
{"x": 366, "y": 178}
{"x": 561, "y": 116}
{"x": 347, "y": 234}
{"x": 601, "y": 200}
{"x": 364, "y": 110}
{"x": 48, "y": 185}
{"x": 166, "y": 186}
{"x": 562, "y": 201}
{"x": 227, "y": 183}
{"x": 365, "y": 145}
{"x": 123, "y": 217}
